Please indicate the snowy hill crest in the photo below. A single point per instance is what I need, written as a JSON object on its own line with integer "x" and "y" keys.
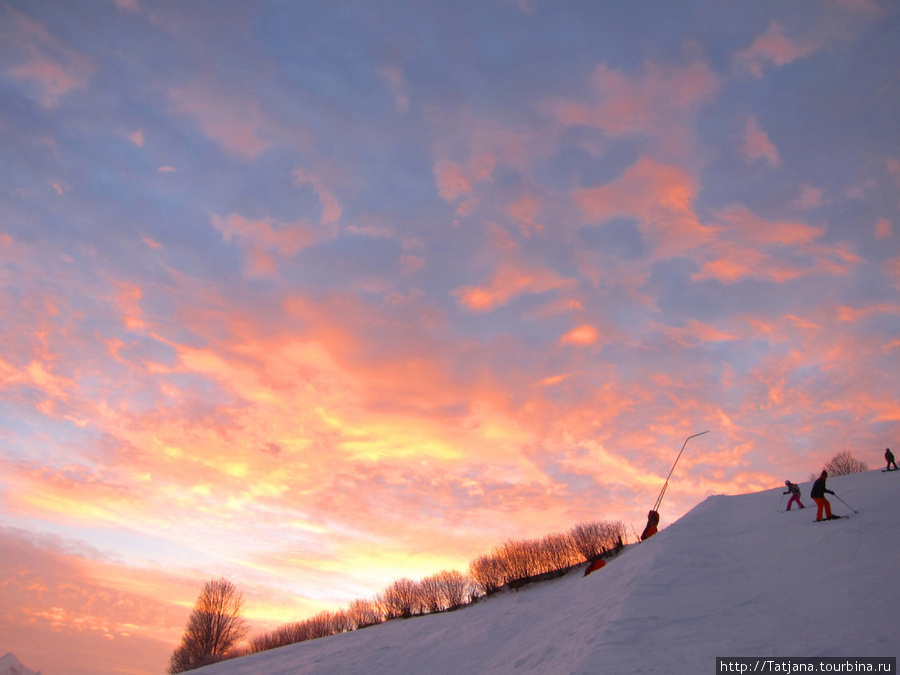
{"x": 733, "y": 577}
{"x": 9, "y": 665}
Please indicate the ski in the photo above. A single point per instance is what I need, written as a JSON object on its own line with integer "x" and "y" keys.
{"x": 832, "y": 518}
{"x": 887, "y": 470}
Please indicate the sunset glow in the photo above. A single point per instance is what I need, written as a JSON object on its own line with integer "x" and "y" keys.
{"x": 314, "y": 297}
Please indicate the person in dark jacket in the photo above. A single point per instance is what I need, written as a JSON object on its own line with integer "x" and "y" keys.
{"x": 794, "y": 490}
{"x": 818, "y": 493}
{"x": 889, "y": 456}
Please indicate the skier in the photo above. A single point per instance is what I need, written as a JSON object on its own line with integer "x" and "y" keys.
{"x": 889, "y": 456}
{"x": 794, "y": 490}
{"x": 818, "y": 494}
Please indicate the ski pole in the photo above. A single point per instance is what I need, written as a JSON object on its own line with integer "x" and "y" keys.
{"x": 845, "y": 504}
{"x": 778, "y": 510}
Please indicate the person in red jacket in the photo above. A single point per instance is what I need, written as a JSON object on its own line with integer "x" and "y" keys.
{"x": 818, "y": 493}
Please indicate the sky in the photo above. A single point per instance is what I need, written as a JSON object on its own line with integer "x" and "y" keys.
{"x": 314, "y": 296}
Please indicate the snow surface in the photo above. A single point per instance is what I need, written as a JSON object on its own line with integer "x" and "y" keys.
{"x": 733, "y": 577}
{"x": 9, "y": 665}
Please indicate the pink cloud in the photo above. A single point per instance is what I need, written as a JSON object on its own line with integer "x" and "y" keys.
{"x": 525, "y": 212}
{"x": 857, "y": 314}
{"x": 454, "y": 181}
{"x": 697, "y": 332}
{"x": 55, "y": 69}
{"x": 451, "y": 180}
{"x": 772, "y": 48}
{"x": 510, "y": 281}
{"x": 581, "y": 335}
{"x": 637, "y": 104}
{"x": 264, "y": 241}
{"x": 660, "y": 196}
{"x": 235, "y": 123}
{"x": 54, "y": 80}
{"x": 393, "y": 75}
{"x": 883, "y": 229}
{"x": 893, "y": 166}
{"x": 757, "y": 144}
{"x": 868, "y": 7}
{"x": 137, "y": 137}
{"x": 751, "y": 227}
{"x": 331, "y": 208}
{"x": 810, "y": 198}
{"x": 750, "y": 246}
{"x": 892, "y": 268}
{"x": 411, "y": 263}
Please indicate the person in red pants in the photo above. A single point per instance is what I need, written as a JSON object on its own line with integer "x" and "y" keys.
{"x": 818, "y": 493}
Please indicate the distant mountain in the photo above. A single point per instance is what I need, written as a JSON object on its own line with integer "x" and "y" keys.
{"x": 9, "y": 665}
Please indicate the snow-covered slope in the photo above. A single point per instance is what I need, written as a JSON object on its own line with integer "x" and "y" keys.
{"x": 9, "y": 665}
{"x": 733, "y": 577}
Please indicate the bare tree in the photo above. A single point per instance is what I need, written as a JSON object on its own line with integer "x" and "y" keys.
{"x": 589, "y": 538}
{"x": 364, "y": 613}
{"x": 844, "y": 463}
{"x": 403, "y": 598}
{"x": 487, "y": 572}
{"x": 216, "y": 624}
{"x": 596, "y": 537}
{"x": 558, "y": 551}
{"x": 519, "y": 558}
{"x": 432, "y": 594}
{"x": 457, "y": 589}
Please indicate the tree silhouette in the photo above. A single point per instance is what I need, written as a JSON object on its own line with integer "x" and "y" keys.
{"x": 844, "y": 463}
{"x": 215, "y": 625}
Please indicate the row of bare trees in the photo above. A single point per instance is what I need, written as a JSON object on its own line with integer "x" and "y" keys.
{"x": 450, "y": 589}
{"x": 518, "y": 559}
{"x": 216, "y": 626}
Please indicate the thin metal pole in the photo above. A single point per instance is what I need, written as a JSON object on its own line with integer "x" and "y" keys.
{"x": 845, "y": 504}
{"x": 666, "y": 484}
